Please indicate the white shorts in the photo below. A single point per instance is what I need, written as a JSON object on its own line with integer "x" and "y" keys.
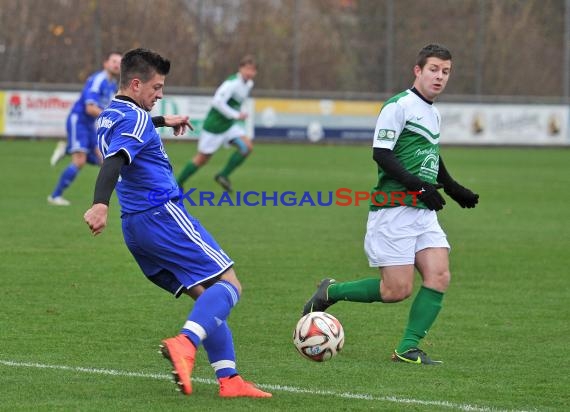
{"x": 211, "y": 142}
{"x": 394, "y": 235}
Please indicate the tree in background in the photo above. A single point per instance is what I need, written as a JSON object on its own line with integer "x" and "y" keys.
{"x": 511, "y": 47}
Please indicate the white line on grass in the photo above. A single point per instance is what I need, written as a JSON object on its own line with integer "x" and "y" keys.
{"x": 281, "y": 388}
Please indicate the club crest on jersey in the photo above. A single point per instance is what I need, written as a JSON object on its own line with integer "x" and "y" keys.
{"x": 430, "y": 167}
{"x": 386, "y": 134}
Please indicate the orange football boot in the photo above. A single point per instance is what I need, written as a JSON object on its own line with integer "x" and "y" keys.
{"x": 236, "y": 387}
{"x": 181, "y": 353}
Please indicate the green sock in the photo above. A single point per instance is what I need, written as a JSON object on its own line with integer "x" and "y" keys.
{"x": 235, "y": 160}
{"x": 423, "y": 313}
{"x": 365, "y": 290}
{"x": 188, "y": 171}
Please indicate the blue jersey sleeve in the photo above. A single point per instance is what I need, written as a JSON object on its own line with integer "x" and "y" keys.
{"x": 93, "y": 89}
{"x": 99, "y": 90}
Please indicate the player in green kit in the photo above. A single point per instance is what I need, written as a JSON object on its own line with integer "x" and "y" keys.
{"x": 403, "y": 237}
{"x": 224, "y": 125}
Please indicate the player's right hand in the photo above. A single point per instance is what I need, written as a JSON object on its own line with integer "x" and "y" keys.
{"x": 178, "y": 122}
{"x": 431, "y": 197}
{"x": 96, "y": 218}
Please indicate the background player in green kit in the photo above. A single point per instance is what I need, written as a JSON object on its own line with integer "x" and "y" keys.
{"x": 400, "y": 238}
{"x": 224, "y": 125}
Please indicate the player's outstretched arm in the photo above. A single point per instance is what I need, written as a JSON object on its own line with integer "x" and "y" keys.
{"x": 463, "y": 196}
{"x": 177, "y": 121}
{"x": 96, "y": 216}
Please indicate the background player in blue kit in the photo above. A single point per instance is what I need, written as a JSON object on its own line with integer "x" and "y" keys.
{"x": 97, "y": 93}
{"x": 171, "y": 247}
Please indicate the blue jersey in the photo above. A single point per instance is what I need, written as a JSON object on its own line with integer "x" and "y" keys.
{"x": 98, "y": 90}
{"x": 147, "y": 180}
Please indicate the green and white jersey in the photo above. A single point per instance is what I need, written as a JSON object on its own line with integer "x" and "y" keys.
{"x": 409, "y": 125}
{"x": 226, "y": 104}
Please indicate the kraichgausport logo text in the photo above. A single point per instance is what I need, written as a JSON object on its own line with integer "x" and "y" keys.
{"x": 340, "y": 197}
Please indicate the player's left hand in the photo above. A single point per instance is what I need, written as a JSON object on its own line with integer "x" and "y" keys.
{"x": 96, "y": 218}
{"x": 178, "y": 122}
{"x": 463, "y": 196}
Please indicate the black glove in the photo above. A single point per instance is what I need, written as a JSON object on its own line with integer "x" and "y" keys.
{"x": 463, "y": 196}
{"x": 431, "y": 197}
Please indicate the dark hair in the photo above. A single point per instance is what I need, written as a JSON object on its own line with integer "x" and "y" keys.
{"x": 142, "y": 63}
{"x": 247, "y": 60}
{"x": 432, "y": 50}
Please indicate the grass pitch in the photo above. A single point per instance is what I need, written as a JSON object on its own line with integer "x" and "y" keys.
{"x": 80, "y": 325}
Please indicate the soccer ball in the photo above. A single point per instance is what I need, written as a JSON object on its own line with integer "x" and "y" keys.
{"x": 318, "y": 336}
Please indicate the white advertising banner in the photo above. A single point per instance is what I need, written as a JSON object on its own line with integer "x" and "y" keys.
{"x": 43, "y": 114}
{"x": 504, "y": 124}
{"x": 40, "y": 114}
{"x": 197, "y": 108}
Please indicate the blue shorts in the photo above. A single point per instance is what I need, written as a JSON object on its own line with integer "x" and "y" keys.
{"x": 172, "y": 248}
{"x": 81, "y": 134}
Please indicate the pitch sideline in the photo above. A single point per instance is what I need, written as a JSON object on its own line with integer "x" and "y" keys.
{"x": 280, "y": 388}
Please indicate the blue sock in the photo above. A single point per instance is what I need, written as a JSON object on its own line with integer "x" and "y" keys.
{"x": 220, "y": 349}
{"x": 67, "y": 177}
{"x": 210, "y": 311}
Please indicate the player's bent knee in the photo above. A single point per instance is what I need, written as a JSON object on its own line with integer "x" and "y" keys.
{"x": 395, "y": 297}
{"x": 231, "y": 277}
{"x": 79, "y": 159}
{"x": 243, "y": 145}
{"x": 442, "y": 283}
{"x": 395, "y": 294}
{"x": 195, "y": 292}
{"x": 237, "y": 285}
{"x": 201, "y": 159}
{"x": 439, "y": 281}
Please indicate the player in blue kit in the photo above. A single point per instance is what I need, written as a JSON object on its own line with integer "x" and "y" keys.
{"x": 171, "y": 247}
{"x": 97, "y": 93}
